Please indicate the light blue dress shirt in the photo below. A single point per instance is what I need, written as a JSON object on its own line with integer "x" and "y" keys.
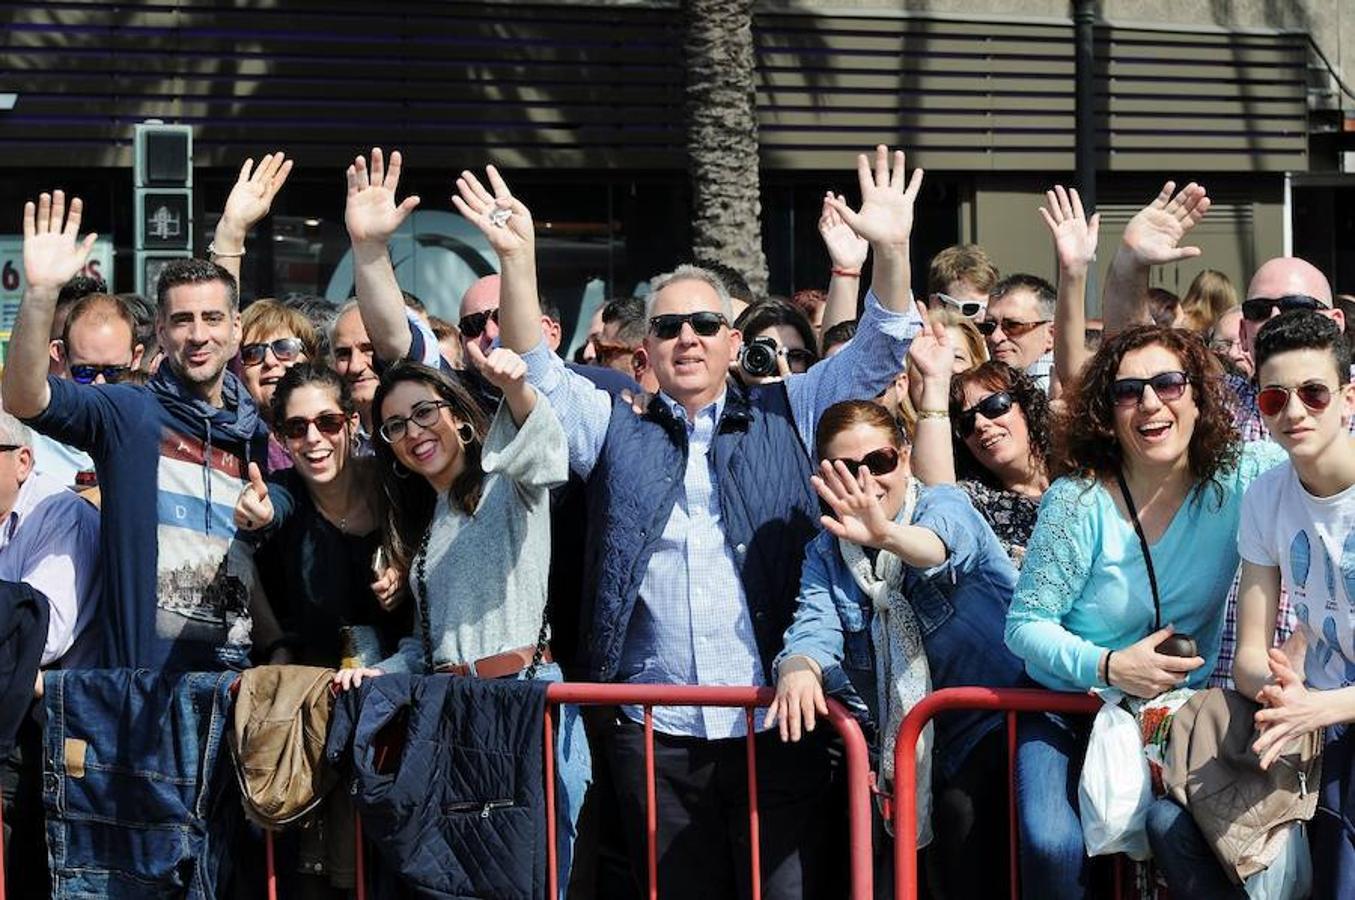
{"x": 691, "y": 623}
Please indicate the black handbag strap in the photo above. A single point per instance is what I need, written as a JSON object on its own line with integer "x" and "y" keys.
{"x": 1143, "y": 542}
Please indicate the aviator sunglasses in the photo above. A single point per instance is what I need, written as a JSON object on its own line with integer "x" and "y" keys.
{"x": 877, "y": 462}
{"x": 1258, "y": 309}
{"x": 1315, "y": 395}
{"x": 1167, "y": 386}
{"x": 705, "y": 324}
{"x": 993, "y": 406}
{"x": 297, "y": 427}
{"x": 1010, "y": 327}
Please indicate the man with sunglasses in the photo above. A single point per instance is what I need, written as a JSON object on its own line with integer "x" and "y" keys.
{"x": 700, "y": 509}
{"x": 1019, "y": 326}
{"x": 170, "y": 456}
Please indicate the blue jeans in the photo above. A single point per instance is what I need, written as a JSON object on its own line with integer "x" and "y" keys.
{"x": 137, "y": 803}
{"x": 1049, "y": 752}
{"x": 1331, "y": 834}
{"x": 573, "y": 774}
{"x": 1184, "y": 857}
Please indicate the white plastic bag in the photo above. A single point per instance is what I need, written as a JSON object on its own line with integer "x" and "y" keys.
{"x": 1115, "y": 790}
{"x": 1290, "y": 875}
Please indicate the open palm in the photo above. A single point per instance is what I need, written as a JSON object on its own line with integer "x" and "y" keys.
{"x": 1074, "y": 234}
{"x": 846, "y": 248}
{"x": 505, "y": 220}
{"x": 53, "y": 253}
{"x": 857, "y": 514}
{"x": 1155, "y": 233}
{"x": 252, "y": 195}
{"x": 371, "y": 213}
{"x": 886, "y": 215}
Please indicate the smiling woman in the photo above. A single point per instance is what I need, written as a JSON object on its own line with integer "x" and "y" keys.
{"x": 1137, "y": 541}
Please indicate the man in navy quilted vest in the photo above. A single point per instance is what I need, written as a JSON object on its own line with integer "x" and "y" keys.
{"x": 699, "y": 510}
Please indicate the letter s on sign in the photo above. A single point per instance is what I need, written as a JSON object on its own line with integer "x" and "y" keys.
{"x": 9, "y": 276}
{"x": 92, "y": 269}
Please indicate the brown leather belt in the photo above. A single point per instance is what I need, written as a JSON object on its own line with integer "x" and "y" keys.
{"x": 510, "y": 662}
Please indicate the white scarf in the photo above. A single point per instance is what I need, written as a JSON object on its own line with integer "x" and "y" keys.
{"x": 903, "y": 677}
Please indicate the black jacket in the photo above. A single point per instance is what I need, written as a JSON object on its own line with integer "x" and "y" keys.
{"x": 23, "y": 633}
{"x": 447, "y": 774}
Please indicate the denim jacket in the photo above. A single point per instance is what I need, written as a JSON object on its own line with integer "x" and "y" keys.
{"x": 961, "y": 607}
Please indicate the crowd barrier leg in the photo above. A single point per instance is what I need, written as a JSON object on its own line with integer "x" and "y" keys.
{"x": 754, "y": 850}
{"x": 271, "y": 875}
{"x": 1009, "y": 701}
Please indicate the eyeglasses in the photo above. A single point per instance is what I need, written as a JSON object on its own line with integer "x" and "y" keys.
{"x": 1167, "y": 386}
{"x": 5, "y": 448}
{"x": 297, "y": 427}
{"x": 967, "y": 308}
{"x": 473, "y": 325}
{"x": 1258, "y": 309}
{"x": 877, "y": 462}
{"x": 284, "y": 349}
{"x": 1010, "y": 327}
{"x": 87, "y": 374}
{"x": 799, "y": 359}
{"x": 994, "y": 406}
{"x": 705, "y": 324}
{"x": 1220, "y": 345}
{"x": 422, "y": 414}
{"x": 1313, "y": 394}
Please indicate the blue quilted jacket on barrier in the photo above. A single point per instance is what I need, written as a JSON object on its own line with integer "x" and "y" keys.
{"x": 767, "y": 508}
{"x": 447, "y": 774}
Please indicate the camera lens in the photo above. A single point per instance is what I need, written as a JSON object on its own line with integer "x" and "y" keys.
{"x": 759, "y": 358}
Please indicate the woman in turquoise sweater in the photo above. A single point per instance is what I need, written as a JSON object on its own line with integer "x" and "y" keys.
{"x": 1148, "y": 437}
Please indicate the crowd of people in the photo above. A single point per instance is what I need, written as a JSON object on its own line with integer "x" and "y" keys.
{"x": 864, "y": 497}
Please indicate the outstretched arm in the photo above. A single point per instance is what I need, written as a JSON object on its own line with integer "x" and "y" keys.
{"x": 1075, "y": 246}
{"x": 53, "y": 254}
{"x": 249, "y": 201}
{"x": 372, "y": 216}
{"x": 507, "y": 224}
{"x": 847, "y": 252}
{"x": 932, "y": 355}
{"x": 1152, "y": 238}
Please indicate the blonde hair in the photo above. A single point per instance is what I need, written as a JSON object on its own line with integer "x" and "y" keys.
{"x": 272, "y": 317}
{"x": 1209, "y": 296}
{"x": 973, "y": 339}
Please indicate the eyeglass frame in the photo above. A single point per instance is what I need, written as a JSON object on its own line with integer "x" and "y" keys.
{"x": 479, "y": 322}
{"x": 108, "y": 372}
{"x": 296, "y": 342}
{"x": 416, "y": 412}
{"x": 948, "y": 300}
{"x": 989, "y": 326}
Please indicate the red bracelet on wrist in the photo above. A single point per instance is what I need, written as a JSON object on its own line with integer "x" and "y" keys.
{"x": 847, "y": 273}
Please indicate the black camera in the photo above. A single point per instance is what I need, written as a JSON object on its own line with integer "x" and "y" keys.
{"x": 758, "y": 357}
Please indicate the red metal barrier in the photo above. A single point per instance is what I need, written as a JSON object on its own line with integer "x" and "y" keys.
{"x": 649, "y": 696}
{"x": 1010, "y": 701}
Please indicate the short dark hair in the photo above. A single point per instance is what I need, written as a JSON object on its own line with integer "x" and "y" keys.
{"x": 1163, "y": 306}
{"x": 770, "y": 313}
{"x": 193, "y": 271}
{"x": 1303, "y": 330}
{"x": 307, "y": 373}
{"x": 1044, "y": 292}
{"x": 80, "y": 286}
{"x": 413, "y": 302}
{"x": 143, "y": 311}
{"x": 735, "y": 284}
{"x": 840, "y": 333}
{"x": 551, "y": 311}
{"x": 630, "y": 313}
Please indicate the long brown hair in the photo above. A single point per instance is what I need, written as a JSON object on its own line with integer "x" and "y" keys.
{"x": 1086, "y": 444}
{"x": 1034, "y": 408}
{"x": 410, "y": 500}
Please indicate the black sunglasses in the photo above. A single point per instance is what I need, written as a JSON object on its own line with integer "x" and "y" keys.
{"x": 877, "y": 462}
{"x": 473, "y": 325}
{"x": 1010, "y": 327}
{"x": 1258, "y": 309}
{"x": 1167, "y": 386}
{"x": 991, "y": 407}
{"x": 285, "y": 349}
{"x": 86, "y": 374}
{"x": 297, "y": 427}
{"x": 705, "y": 324}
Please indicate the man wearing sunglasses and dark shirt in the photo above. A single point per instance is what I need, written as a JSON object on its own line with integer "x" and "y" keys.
{"x": 699, "y": 512}
{"x": 97, "y": 346}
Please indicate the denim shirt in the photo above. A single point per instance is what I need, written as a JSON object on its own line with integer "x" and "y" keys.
{"x": 961, "y": 607}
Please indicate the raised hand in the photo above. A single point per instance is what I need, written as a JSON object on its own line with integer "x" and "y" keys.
{"x": 502, "y": 367}
{"x": 505, "y": 220}
{"x": 1291, "y": 710}
{"x": 932, "y": 352}
{"x": 846, "y": 248}
{"x": 371, "y": 213}
{"x": 1074, "y": 234}
{"x": 859, "y": 516}
{"x": 1141, "y": 671}
{"x": 886, "y": 216}
{"x": 252, "y": 195}
{"x": 254, "y": 508}
{"x": 53, "y": 253}
{"x": 1153, "y": 237}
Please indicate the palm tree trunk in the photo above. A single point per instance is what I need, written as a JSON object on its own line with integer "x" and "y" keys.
{"x": 722, "y": 136}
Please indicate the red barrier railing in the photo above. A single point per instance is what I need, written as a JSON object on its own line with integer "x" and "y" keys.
{"x": 650, "y": 696}
{"x": 1008, "y": 700}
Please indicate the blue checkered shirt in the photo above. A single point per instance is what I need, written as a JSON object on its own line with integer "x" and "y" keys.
{"x": 691, "y": 623}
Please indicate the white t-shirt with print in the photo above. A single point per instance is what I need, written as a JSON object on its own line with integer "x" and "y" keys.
{"x": 1312, "y": 541}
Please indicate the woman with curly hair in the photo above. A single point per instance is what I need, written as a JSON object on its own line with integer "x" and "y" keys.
{"x": 988, "y": 432}
{"x": 1146, "y": 459}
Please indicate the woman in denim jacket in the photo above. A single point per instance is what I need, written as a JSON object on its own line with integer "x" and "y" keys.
{"x": 907, "y": 585}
